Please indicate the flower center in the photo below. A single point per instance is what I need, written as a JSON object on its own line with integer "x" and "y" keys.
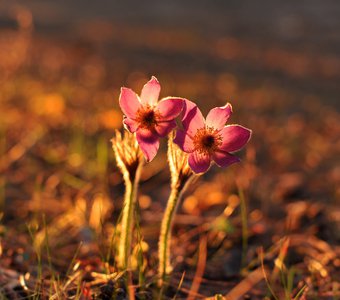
{"x": 147, "y": 117}
{"x": 207, "y": 140}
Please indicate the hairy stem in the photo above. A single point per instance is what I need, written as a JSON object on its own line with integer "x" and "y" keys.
{"x": 130, "y": 197}
{"x": 166, "y": 228}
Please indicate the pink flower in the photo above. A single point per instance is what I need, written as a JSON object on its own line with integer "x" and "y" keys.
{"x": 147, "y": 117}
{"x": 209, "y": 139}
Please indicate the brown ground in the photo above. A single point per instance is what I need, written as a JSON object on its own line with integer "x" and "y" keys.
{"x": 58, "y": 103}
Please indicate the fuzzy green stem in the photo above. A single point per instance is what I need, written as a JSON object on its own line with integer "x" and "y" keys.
{"x": 165, "y": 236}
{"x": 124, "y": 249}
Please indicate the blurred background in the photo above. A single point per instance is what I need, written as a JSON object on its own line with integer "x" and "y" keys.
{"x": 62, "y": 64}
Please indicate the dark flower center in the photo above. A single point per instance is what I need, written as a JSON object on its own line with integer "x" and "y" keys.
{"x": 147, "y": 117}
{"x": 207, "y": 140}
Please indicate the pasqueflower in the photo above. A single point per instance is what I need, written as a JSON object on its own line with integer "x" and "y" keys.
{"x": 147, "y": 117}
{"x": 209, "y": 139}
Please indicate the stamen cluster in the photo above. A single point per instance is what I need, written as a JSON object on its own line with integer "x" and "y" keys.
{"x": 147, "y": 117}
{"x": 207, "y": 140}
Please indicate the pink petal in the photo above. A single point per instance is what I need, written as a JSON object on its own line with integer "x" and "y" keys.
{"x": 129, "y": 102}
{"x": 148, "y": 142}
{"x": 192, "y": 119}
{"x": 164, "y": 128}
{"x": 218, "y": 116}
{"x": 150, "y": 92}
{"x": 130, "y": 124}
{"x": 234, "y": 137}
{"x": 170, "y": 108}
{"x": 224, "y": 159}
{"x": 199, "y": 162}
{"x": 184, "y": 141}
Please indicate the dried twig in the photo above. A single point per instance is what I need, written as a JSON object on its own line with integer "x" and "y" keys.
{"x": 202, "y": 258}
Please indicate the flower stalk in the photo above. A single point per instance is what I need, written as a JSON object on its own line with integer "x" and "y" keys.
{"x": 181, "y": 177}
{"x": 130, "y": 161}
{"x": 124, "y": 250}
